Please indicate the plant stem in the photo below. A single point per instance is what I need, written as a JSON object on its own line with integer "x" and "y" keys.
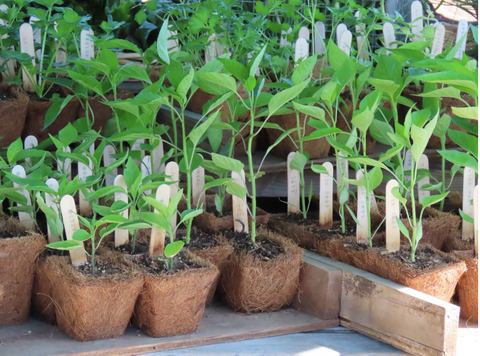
{"x": 175, "y": 138}
{"x": 188, "y": 161}
{"x": 253, "y": 233}
{"x": 443, "y": 189}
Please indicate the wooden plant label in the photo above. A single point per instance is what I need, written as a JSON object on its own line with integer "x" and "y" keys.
{"x": 24, "y": 217}
{"x": 341, "y": 28}
{"x": 66, "y": 165}
{"x": 326, "y": 197}
{"x": 389, "y": 36}
{"x": 468, "y": 229}
{"x": 319, "y": 35}
{"x": 304, "y": 33}
{"x": 301, "y": 50}
{"x": 214, "y": 50}
{"x": 346, "y": 42}
{"x": 37, "y": 37}
{"x": 70, "y": 221}
{"x": 198, "y": 183}
{"x": 121, "y": 235}
{"x": 283, "y": 38}
{"x": 475, "y": 217}
{"x": 172, "y": 43}
{"x": 462, "y": 30}
{"x": 392, "y": 210}
{"x": 136, "y": 147}
{"x": 293, "y": 182}
{"x": 157, "y": 156}
{"x": 87, "y": 46}
{"x": 157, "y": 239}
{"x": 83, "y": 172}
{"x": 108, "y": 151}
{"x": 146, "y": 168}
{"x": 373, "y": 203}
{"x": 26, "y": 46}
{"x": 30, "y": 142}
{"x": 173, "y": 175}
{"x": 417, "y": 22}
{"x": 423, "y": 164}
{"x": 342, "y": 167}
{"x": 362, "y": 217}
{"x": 437, "y": 45}
{"x": 239, "y": 206}
{"x": 49, "y": 201}
{"x": 361, "y": 40}
{"x": 407, "y": 164}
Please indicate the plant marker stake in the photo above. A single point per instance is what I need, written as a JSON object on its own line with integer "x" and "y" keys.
{"x": 475, "y": 218}
{"x": 37, "y": 37}
{"x": 239, "y": 206}
{"x": 214, "y": 49}
{"x": 341, "y": 28}
{"x": 304, "y": 33}
{"x": 87, "y": 47}
{"x": 320, "y": 30}
{"x": 83, "y": 172}
{"x": 26, "y": 46}
{"x": 70, "y": 221}
{"x": 66, "y": 166}
{"x": 173, "y": 175}
{"x": 468, "y": 229}
{"x": 157, "y": 155}
{"x": 462, "y": 29}
{"x": 407, "y": 164}
{"x": 437, "y": 45}
{"x": 392, "y": 210}
{"x": 52, "y": 184}
{"x": 362, "y": 216}
{"x": 61, "y": 56}
{"x": 30, "y": 142}
{"x": 157, "y": 239}
{"x": 24, "y": 217}
{"x": 283, "y": 38}
{"x": 326, "y": 197}
{"x": 108, "y": 160}
{"x": 146, "y": 164}
{"x": 301, "y": 50}
{"x": 346, "y": 42}
{"x": 343, "y": 164}
{"x": 416, "y": 10}
{"x": 293, "y": 183}
{"x": 198, "y": 183}
{"x": 361, "y": 41}
{"x": 373, "y": 203}
{"x": 423, "y": 164}
{"x": 121, "y": 235}
{"x": 136, "y": 147}
{"x": 389, "y": 36}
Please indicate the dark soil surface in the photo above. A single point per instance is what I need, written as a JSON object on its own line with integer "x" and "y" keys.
{"x": 140, "y": 247}
{"x": 101, "y": 269}
{"x": 199, "y": 241}
{"x": 51, "y": 252}
{"x": 6, "y": 95}
{"x": 53, "y": 90}
{"x": 313, "y": 226}
{"x": 263, "y": 249}
{"x": 8, "y": 235}
{"x": 214, "y": 211}
{"x": 155, "y": 265}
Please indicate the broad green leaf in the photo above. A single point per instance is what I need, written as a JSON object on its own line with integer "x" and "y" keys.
{"x": 298, "y": 162}
{"x": 366, "y": 160}
{"x": 374, "y": 178}
{"x": 236, "y": 69}
{"x": 197, "y": 133}
{"x": 67, "y": 135}
{"x": 457, "y": 80}
{"x": 118, "y": 44}
{"x": 81, "y": 235}
{"x": 466, "y": 217}
{"x": 318, "y": 168}
{"x": 227, "y": 163}
{"x": 64, "y": 245}
{"x": 467, "y": 113}
{"x": 379, "y": 131}
{"x": 311, "y": 111}
{"x": 55, "y": 109}
{"x": 162, "y": 43}
{"x": 460, "y": 158}
{"x": 236, "y": 189}
{"x": 433, "y": 199}
{"x": 443, "y": 124}
{"x": 187, "y": 215}
{"x": 465, "y": 140}
{"x": 446, "y": 92}
{"x": 402, "y": 227}
{"x": 387, "y": 86}
{"x": 13, "y": 149}
{"x": 185, "y": 84}
{"x": 420, "y": 137}
{"x": 216, "y": 83}
{"x": 255, "y": 63}
{"x": 304, "y": 70}
{"x": 173, "y": 248}
{"x": 131, "y": 71}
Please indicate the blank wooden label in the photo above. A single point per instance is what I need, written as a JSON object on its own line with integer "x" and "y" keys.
{"x": 136, "y": 147}
{"x": 239, "y": 206}
{"x": 392, "y": 210}
{"x": 121, "y": 235}
{"x": 304, "y": 33}
{"x": 389, "y": 36}
{"x": 157, "y": 156}
{"x": 475, "y": 217}
{"x": 462, "y": 29}
{"x": 417, "y": 22}
{"x": 342, "y": 167}
{"x": 70, "y": 221}
{"x": 362, "y": 217}
{"x": 87, "y": 47}
{"x": 83, "y": 172}
{"x": 61, "y": 56}
{"x": 283, "y": 39}
{"x": 373, "y": 203}
{"x": 361, "y": 45}
{"x": 341, "y": 28}
{"x": 360, "y": 29}
{"x": 24, "y": 217}
{"x": 293, "y": 182}
{"x": 26, "y": 46}
{"x": 346, "y": 42}
{"x": 157, "y": 239}
{"x": 326, "y": 197}
{"x": 30, "y": 142}
{"x": 319, "y": 35}
{"x": 146, "y": 171}
{"x": 66, "y": 166}
{"x": 423, "y": 164}
{"x": 407, "y": 164}
{"x": 214, "y": 49}
{"x": 49, "y": 201}
{"x": 437, "y": 45}
{"x": 301, "y": 50}
{"x": 198, "y": 183}
{"x": 108, "y": 160}
{"x": 173, "y": 175}
{"x": 467, "y": 206}
{"x": 37, "y": 37}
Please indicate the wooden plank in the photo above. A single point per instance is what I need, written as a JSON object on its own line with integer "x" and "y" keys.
{"x": 405, "y": 318}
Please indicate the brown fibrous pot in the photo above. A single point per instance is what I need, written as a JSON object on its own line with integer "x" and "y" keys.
{"x": 468, "y": 286}
{"x": 12, "y": 114}
{"x": 17, "y": 267}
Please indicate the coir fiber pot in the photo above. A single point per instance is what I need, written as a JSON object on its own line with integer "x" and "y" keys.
{"x": 173, "y": 304}
{"x": 19, "y": 249}
{"x": 43, "y": 305}
{"x": 93, "y": 308}
{"x": 251, "y": 285}
{"x": 36, "y": 111}
{"x": 13, "y": 110}
{"x": 468, "y": 287}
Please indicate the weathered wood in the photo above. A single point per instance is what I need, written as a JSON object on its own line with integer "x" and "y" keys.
{"x": 157, "y": 237}
{"x": 392, "y": 210}
{"x": 70, "y": 221}
{"x": 239, "y": 205}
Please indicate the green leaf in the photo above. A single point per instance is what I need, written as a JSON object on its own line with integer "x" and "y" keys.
{"x": 118, "y": 44}
{"x": 446, "y": 92}
{"x": 162, "y": 43}
{"x": 465, "y": 140}
{"x": 420, "y": 137}
{"x": 374, "y": 178}
{"x": 227, "y": 163}
{"x": 157, "y": 205}
{"x": 366, "y": 160}
{"x": 131, "y": 71}
{"x": 235, "y": 68}
{"x": 283, "y": 97}
{"x": 387, "y": 86}
{"x": 13, "y": 149}
{"x": 433, "y": 199}
{"x": 255, "y": 62}
{"x": 442, "y": 126}
{"x": 236, "y": 189}
{"x": 466, "y": 217}
{"x": 304, "y": 70}
{"x": 64, "y": 245}
{"x": 189, "y": 214}
{"x": 298, "y": 162}
{"x": 318, "y": 168}
{"x": 67, "y": 135}
{"x": 55, "y": 109}
{"x": 457, "y": 80}
{"x": 379, "y": 131}
{"x": 81, "y": 235}
{"x": 467, "y": 113}
{"x": 197, "y": 133}
{"x": 216, "y": 83}
{"x": 460, "y": 158}
{"x": 173, "y": 248}
{"x": 311, "y": 111}
{"x": 402, "y": 227}
{"x": 185, "y": 84}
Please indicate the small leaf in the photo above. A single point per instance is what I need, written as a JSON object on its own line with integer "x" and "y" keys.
{"x": 81, "y": 235}
{"x": 64, "y": 245}
{"x": 173, "y": 248}
{"x": 466, "y": 217}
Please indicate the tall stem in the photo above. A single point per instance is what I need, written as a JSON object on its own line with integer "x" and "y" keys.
{"x": 188, "y": 161}
{"x": 253, "y": 233}
{"x": 175, "y": 138}
{"x": 443, "y": 189}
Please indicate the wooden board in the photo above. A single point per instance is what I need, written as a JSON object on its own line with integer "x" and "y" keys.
{"x": 402, "y": 317}
{"x": 219, "y": 324}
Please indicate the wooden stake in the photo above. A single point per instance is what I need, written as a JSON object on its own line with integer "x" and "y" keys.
{"x": 293, "y": 182}
{"x": 239, "y": 206}
{"x": 423, "y": 164}
{"x": 343, "y": 164}
{"x": 392, "y": 210}
{"x": 157, "y": 156}
{"x": 30, "y": 142}
{"x": 136, "y": 147}
{"x": 284, "y": 42}
{"x": 172, "y": 43}
{"x": 407, "y": 164}
{"x": 318, "y": 35}
{"x": 157, "y": 239}
{"x": 146, "y": 164}
{"x": 361, "y": 40}
{"x": 475, "y": 218}
{"x": 83, "y": 172}
{"x": 389, "y": 36}
{"x": 417, "y": 22}
{"x": 49, "y": 201}
{"x": 214, "y": 49}
{"x": 462, "y": 29}
{"x": 362, "y": 217}
{"x": 61, "y": 56}
{"x": 437, "y": 45}
{"x": 24, "y": 217}
{"x": 121, "y": 235}
{"x": 373, "y": 203}
{"x": 341, "y": 28}
{"x": 468, "y": 229}
{"x": 198, "y": 183}
{"x": 26, "y": 46}
{"x": 346, "y": 42}
{"x": 173, "y": 175}
{"x": 37, "y": 38}
{"x": 70, "y": 221}
{"x": 304, "y": 33}
{"x": 87, "y": 46}
{"x": 301, "y": 50}
{"x": 326, "y": 197}
{"x": 108, "y": 160}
